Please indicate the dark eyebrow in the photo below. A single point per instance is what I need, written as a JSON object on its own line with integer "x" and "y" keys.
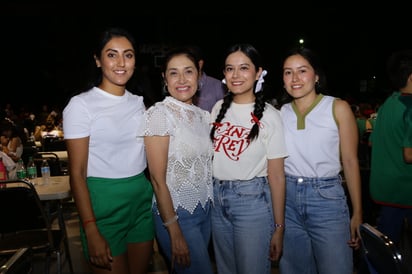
{"x": 243, "y": 64}
{"x": 115, "y": 50}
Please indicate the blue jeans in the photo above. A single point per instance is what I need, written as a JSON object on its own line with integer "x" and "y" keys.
{"x": 242, "y": 226}
{"x": 196, "y": 229}
{"x": 317, "y": 227}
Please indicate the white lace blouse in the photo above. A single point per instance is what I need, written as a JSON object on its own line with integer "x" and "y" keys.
{"x": 189, "y": 168}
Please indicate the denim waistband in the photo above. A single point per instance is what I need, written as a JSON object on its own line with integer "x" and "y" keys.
{"x": 253, "y": 180}
{"x": 303, "y": 179}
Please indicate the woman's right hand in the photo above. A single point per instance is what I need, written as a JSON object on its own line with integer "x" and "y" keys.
{"x": 99, "y": 250}
{"x": 180, "y": 249}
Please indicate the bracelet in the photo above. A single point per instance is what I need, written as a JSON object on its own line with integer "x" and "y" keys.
{"x": 171, "y": 220}
{"x": 85, "y": 223}
{"x": 279, "y": 225}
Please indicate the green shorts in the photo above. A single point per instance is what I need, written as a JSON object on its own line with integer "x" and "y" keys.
{"x": 122, "y": 208}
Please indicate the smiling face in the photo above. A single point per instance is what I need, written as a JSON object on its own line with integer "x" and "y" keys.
{"x": 299, "y": 77}
{"x": 240, "y": 74}
{"x": 117, "y": 63}
{"x": 181, "y": 78}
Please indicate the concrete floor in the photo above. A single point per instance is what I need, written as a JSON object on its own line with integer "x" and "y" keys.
{"x": 80, "y": 265}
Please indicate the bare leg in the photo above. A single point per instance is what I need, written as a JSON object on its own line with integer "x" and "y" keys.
{"x": 119, "y": 266}
{"x": 139, "y": 255}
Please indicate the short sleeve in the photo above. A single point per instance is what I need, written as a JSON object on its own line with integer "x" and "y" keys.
{"x": 157, "y": 122}
{"x": 407, "y": 142}
{"x": 76, "y": 117}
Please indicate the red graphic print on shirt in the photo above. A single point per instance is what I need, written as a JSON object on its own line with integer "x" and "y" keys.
{"x": 231, "y": 139}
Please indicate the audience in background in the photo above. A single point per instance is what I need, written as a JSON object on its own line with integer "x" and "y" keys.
{"x": 11, "y": 140}
{"x": 43, "y": 113}
{"x": 9, "y": 164}
{"x": 48, "y": 130}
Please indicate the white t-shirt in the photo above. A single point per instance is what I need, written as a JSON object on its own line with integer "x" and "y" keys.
{"x": 235, "y": 158}
{"x": 111, "y": 122}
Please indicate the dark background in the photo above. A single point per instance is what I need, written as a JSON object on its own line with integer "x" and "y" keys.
{"x": 45, "y": 47}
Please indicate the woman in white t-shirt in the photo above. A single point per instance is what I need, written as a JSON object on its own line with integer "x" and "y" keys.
{"x": 249, "y": 180}
{"x": 107, "y": 163}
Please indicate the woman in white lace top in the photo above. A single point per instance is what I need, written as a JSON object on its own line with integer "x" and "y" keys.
{"x": 179, "y": 154}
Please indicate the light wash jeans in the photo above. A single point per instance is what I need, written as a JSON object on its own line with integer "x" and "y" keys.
{"x": 196, "y": 229}
{"x": 242, "y": 226}
{"x": 317, "y": 227}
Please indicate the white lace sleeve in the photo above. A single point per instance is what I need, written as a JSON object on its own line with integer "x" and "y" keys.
{"x": 157, "y": 122}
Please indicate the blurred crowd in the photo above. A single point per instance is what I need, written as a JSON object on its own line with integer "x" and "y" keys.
{"x": 20, "y": 127}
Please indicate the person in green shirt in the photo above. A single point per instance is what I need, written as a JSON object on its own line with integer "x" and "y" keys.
{"x": 391, "y": 160}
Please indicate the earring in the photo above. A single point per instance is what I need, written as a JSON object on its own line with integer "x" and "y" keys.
{"x": 164, "y": 89}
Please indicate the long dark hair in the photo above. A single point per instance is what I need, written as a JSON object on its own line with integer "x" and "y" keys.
{"x": 259, "y": 106}
{"x": 100, "y": 41}
{"x": 315, "y": 61}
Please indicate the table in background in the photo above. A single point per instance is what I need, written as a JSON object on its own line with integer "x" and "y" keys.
{"x": 57, "y": 190}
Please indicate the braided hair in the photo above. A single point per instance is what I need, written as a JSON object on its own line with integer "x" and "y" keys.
{"x": 259, "y": 106}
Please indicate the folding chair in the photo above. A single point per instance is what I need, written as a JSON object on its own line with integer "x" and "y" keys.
{"x": 53, "y": 144}
{"x": 25, "y": 224}
{"x": 381, "y": 254}
{"x": 56, "y": 168}
{"x": 18, "y": 263}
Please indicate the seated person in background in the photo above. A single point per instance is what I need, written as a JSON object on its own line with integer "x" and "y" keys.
{"x": 11, "y": 141}
{"x": 48, "y": 130}
{"x": 9, "y": 164}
